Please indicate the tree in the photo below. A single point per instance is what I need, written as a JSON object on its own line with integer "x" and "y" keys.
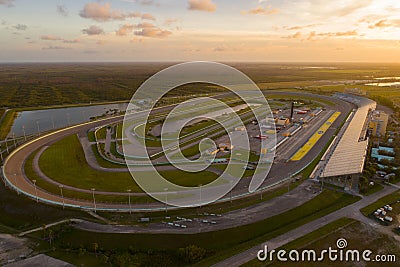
{"x": 192, "y": 253}
{"x": 95, "y": 247}
{"x": 82, "y": 251}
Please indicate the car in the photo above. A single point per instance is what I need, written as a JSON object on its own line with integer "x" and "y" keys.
{"x": 388, "y": 218}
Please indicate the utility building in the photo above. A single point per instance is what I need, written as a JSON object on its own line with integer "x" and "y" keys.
{"x": 378, "y": 123}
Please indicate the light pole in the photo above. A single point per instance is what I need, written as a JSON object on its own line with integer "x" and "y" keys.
{"x": 38, "y": 128}
{"x": 52, "y": 120}
{"x": 288, "y": 187}
{"x": 34, "y": 184}
{"x": 129, "y": 197}
{"x": 230, "y": 192}
{"x": 94, "y": 200}
{"x": 166, "y": 199}
{"x": 62, "y": 195}
{"x": 68, "y": 120}
{"x": 15, "y": 144}
{"x": 23, "y": 129}
{"x": 16, "y": 184}
{"x": 200, "y": 196}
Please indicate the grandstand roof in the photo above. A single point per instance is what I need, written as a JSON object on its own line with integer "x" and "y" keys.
{"x": 349, "y": 154}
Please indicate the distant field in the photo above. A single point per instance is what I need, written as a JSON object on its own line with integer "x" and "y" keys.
{"x": 31, "y": 85}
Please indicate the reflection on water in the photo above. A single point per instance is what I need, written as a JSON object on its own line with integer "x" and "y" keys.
{"x": 43, "y": 120}
{"x": 384, "y": 84}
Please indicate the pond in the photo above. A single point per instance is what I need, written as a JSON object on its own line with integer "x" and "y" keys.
{"x": 36, "y": 121}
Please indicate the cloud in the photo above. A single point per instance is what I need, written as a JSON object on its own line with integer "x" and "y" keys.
{"x": 297, "y": 35}
{"x": 226, "y": 48}
{"x": 261, "y": 11}
{"x": 57, "y": 38}
{"x": 313, "y": 34}
{"x": 51, "y": 47}
{"x": 62, "y": 10}
{"x": 149, "y": 30}
{"x": 101, "y": 13}
{"x": 148, "y": 16}
{"x": 385, "y": 24}
{"x": 9, "y": 3}
{"x": 300, "y": 27}
{"x": 168, "y": 22}
{"x": 50, "y": 38}
{"x": 74, "y": 41}
{"x": 352, "y": 7}
{"x": 125, "y": 29}
{"x": 221, "y": 48}
{"x": 148, "y": 2}
{"x": 322, "y": 9}
{"x": 93, "y": 30}
{"x": 143, "y": 2}
{"x": 20, "y": 27}
{"x": 202, "y": 5}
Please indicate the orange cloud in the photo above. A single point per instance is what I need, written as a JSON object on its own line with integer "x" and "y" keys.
{"x": 297, "y": 35}
{"x": 385, "y": 23}
{"x": 300, "y": 27}
{"x": 261, "y": 11}
{"x": 202, "y": 5}
{"x": 149, "y": 30}
{"x": 313, "y": 34}
{"x": 99, "y": 12}
{"x": 50, "y": 38}
{"x": 125, "y": 29}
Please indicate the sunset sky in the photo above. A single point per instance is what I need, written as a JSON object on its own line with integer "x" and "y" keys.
{"x": 218, "y": 30}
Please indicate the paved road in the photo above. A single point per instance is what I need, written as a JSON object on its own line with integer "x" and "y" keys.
{"x": 351, "y": 211}
{"x": 247, "y": 215}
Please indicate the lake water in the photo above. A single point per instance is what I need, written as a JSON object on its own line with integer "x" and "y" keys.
{"x": 382, "y": 84}
{"x": 48, "y": 119}
{"x": 388, "y": 78}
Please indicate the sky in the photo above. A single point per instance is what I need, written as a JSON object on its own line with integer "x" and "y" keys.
{"x": 187, "y": 30}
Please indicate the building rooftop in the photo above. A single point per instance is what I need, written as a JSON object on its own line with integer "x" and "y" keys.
{"x": 349, "y": 155}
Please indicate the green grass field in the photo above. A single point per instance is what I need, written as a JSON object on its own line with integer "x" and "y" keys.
{"x": 380, "y": 203}
{"x": 219, "y": 244}
{"x": 65, "y": 162}
{"x": 6, "y": 124}
{"x": 19, "y": 213}
{"x": 307, "y": 239}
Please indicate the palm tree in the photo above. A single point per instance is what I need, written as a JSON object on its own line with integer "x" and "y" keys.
{"x": 95, "y": 246}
